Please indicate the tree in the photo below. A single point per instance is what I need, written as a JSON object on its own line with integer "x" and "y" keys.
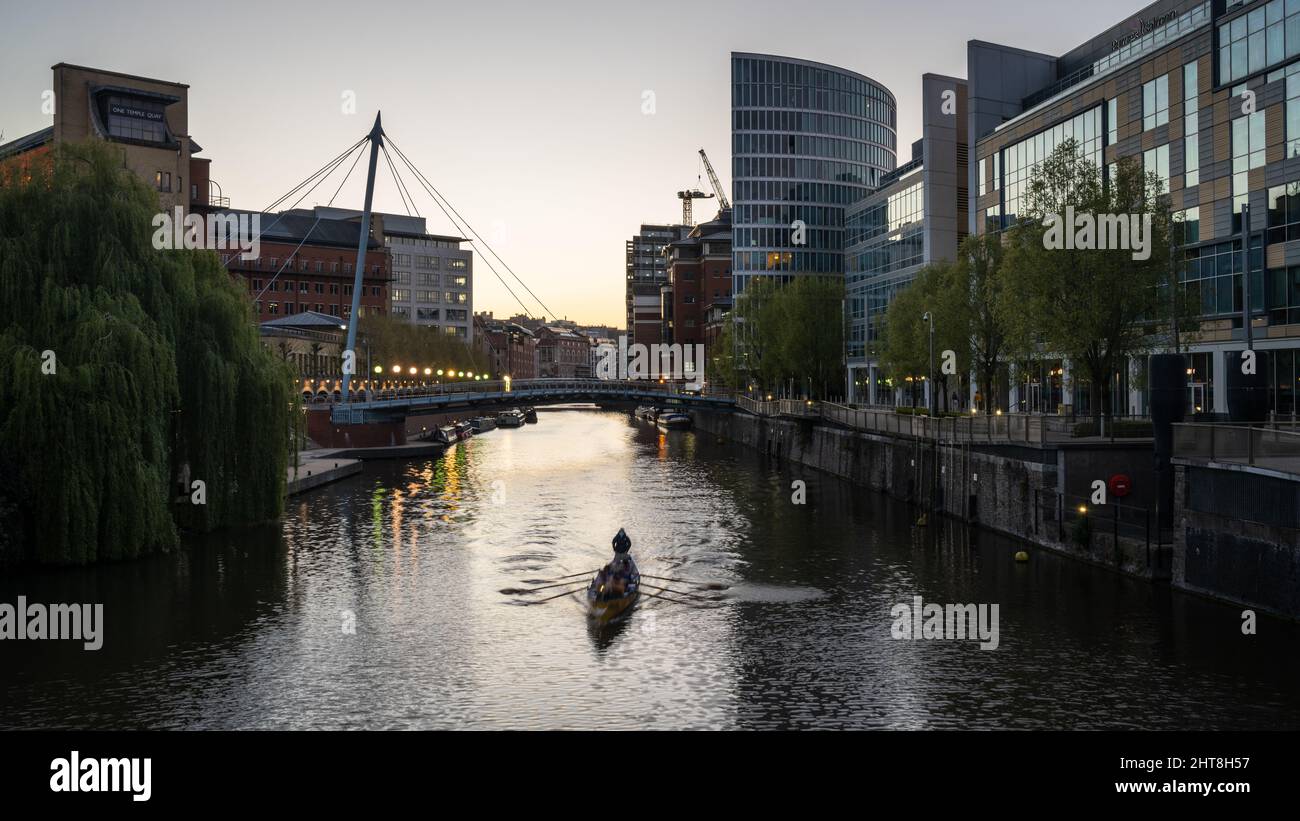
{"x": 123, "y": 367}
{"x": 397, "y": 342}
{"x": 792, "y": 339}
{"x": 976, "y": 295}
{"x": 1087, "y": 300}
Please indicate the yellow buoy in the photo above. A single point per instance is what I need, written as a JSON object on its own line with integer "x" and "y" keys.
{"x": 1022, "y": 555}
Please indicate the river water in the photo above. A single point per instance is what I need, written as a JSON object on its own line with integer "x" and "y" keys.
{"x": 251, "y": 629}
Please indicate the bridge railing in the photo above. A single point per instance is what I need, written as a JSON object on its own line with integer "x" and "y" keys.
{"x": 1009, "y": 428}
{"x": 1239, "y": 444}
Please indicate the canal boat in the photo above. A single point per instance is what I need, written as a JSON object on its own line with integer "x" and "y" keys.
{"x": 674, "y": 420}
{"x": 530, "y": 415}
{"x": 647, "y": 412}
{"x": 510, "y": 419}
{"x": 464, "y": 430}
{"x": 605, "y": 603}
{"x": 483, "y": 424}
{"x": 447, "y": 435}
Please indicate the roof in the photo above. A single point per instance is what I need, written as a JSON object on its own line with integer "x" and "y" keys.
{"x": 306, "y": 319}
{"x": 292, "y": 227}
{"x": 33, "y": 140}
{"x": 119, "y": 74}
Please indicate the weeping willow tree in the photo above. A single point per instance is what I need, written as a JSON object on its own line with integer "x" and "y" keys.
{"x": 124, "y": 369}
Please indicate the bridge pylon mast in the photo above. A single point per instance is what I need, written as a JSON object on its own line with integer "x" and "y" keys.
{"x": 376, "y": 137}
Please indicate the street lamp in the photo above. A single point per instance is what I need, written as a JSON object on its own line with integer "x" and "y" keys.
{"x": 934, "y": 408}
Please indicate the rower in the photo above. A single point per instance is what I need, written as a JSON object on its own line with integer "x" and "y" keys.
{"x": 622, "y": 546}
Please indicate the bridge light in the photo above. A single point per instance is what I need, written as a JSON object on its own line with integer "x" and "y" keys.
{"x": 440, "y": 372}
{"x": 397, "y": 369}
{"x": 428, "y": 371}
{"x": 460, "y": 373}
{"x": 470, "y": 374}
{"x": 379, "y": 369}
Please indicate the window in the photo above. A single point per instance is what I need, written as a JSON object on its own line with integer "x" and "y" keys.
{"x": 1191, "y": 125}
{"x": 304, "y": 287}
{"x": 1155, "y": 102}
{"x": 1247, "y": 153}
{"x": 459, "y": 282}
{"x": 163, "y": 181}
{"x": 401, "y": 295}
{"x": 426, "y": 279}
{"x": 1112, "y": 121}
{"x": 1156, "y": 161}
{"x": 426, "y": 296}
{"x": 1262, "y": 37}
{"x": 1187, "y": 226}
{"x": 455, "y": 298}
{"x": 983, "y": 186}
{"x": 456, "y": 264}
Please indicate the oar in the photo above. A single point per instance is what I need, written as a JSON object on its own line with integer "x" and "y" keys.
{"x": 674, "y": 601}
{"x": 557, "y": 578}
{"x": 515, "y": 591}
{"x": 703, "y": 585}
{"x": 548, "y": 598}
{"x": 677, "y": 592}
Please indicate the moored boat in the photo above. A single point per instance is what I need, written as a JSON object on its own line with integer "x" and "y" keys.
{"x": 447, "y": 434}
{"x": 483, "y": 424}
{"x": 464, "y": 430}
{"x": 510, "y": 419}
{"x": 530, "y": 415}
{"x": 674, "y": 420}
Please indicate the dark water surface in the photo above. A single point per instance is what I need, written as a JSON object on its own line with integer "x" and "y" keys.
{"x": 246, "y": 630}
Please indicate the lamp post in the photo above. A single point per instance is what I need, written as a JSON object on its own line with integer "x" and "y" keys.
{"x": 929, "y": 318}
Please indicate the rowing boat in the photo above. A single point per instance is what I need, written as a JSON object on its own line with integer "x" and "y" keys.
{"x": 604, "y": 606}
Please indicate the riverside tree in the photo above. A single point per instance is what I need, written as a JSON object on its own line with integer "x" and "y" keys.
{"x": 1077, "y": 292}
{"x": 122, "y": 369}
{"x": 792, "y": 338}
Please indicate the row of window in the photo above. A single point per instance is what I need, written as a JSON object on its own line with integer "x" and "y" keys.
{"x": 255, "y": 286}
{"x": 780, "y": 167}
{"x": 1258, "y": 39}
{"x": 795, "y": 191}
{"x": 832, "y": 148}
{"x": 812, "y": 215}
{"x": 758, "y": 70}
{"x": 814, "y": 262}
{"x": 811, "y": 122}
{"x": 289, "y": 308}
{"x": 814, "y": 238}
{"x": 450, "y": 297}
{"x": 901, "y": 208}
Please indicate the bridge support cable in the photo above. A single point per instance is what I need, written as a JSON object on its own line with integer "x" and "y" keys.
{"x": 457, "y": 225}
{"x": 408, "y": 202}
{"x": 289, "y": 259}
{"x": 420, "y": 177}
{"x": 324, "y": 172}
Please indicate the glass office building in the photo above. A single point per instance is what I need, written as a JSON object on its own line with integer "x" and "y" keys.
{"x": 808, "y": 140}
{"x": 1166, "y": 87}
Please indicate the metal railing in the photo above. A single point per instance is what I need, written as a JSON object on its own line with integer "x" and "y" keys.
{"x": 1010, "y": 427}
{"x": 1273, "y": 447}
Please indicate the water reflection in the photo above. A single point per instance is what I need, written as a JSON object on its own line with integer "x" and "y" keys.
{"x": 250, "y": 629}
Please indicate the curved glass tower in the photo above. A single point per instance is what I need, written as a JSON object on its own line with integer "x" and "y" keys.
{"x": 808, "y": 140}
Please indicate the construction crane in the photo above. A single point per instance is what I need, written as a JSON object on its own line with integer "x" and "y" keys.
{"x": 688, "y": 197}
{"x": 713, "y": 178}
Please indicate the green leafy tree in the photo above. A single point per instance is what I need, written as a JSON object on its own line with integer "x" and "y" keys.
{"x": 122, "y": 369}
{"x": 792, "y": 335}
{"x": 1094, "y": 306}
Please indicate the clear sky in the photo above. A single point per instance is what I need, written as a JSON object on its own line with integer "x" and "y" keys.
{"x": 526, "y": 115}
